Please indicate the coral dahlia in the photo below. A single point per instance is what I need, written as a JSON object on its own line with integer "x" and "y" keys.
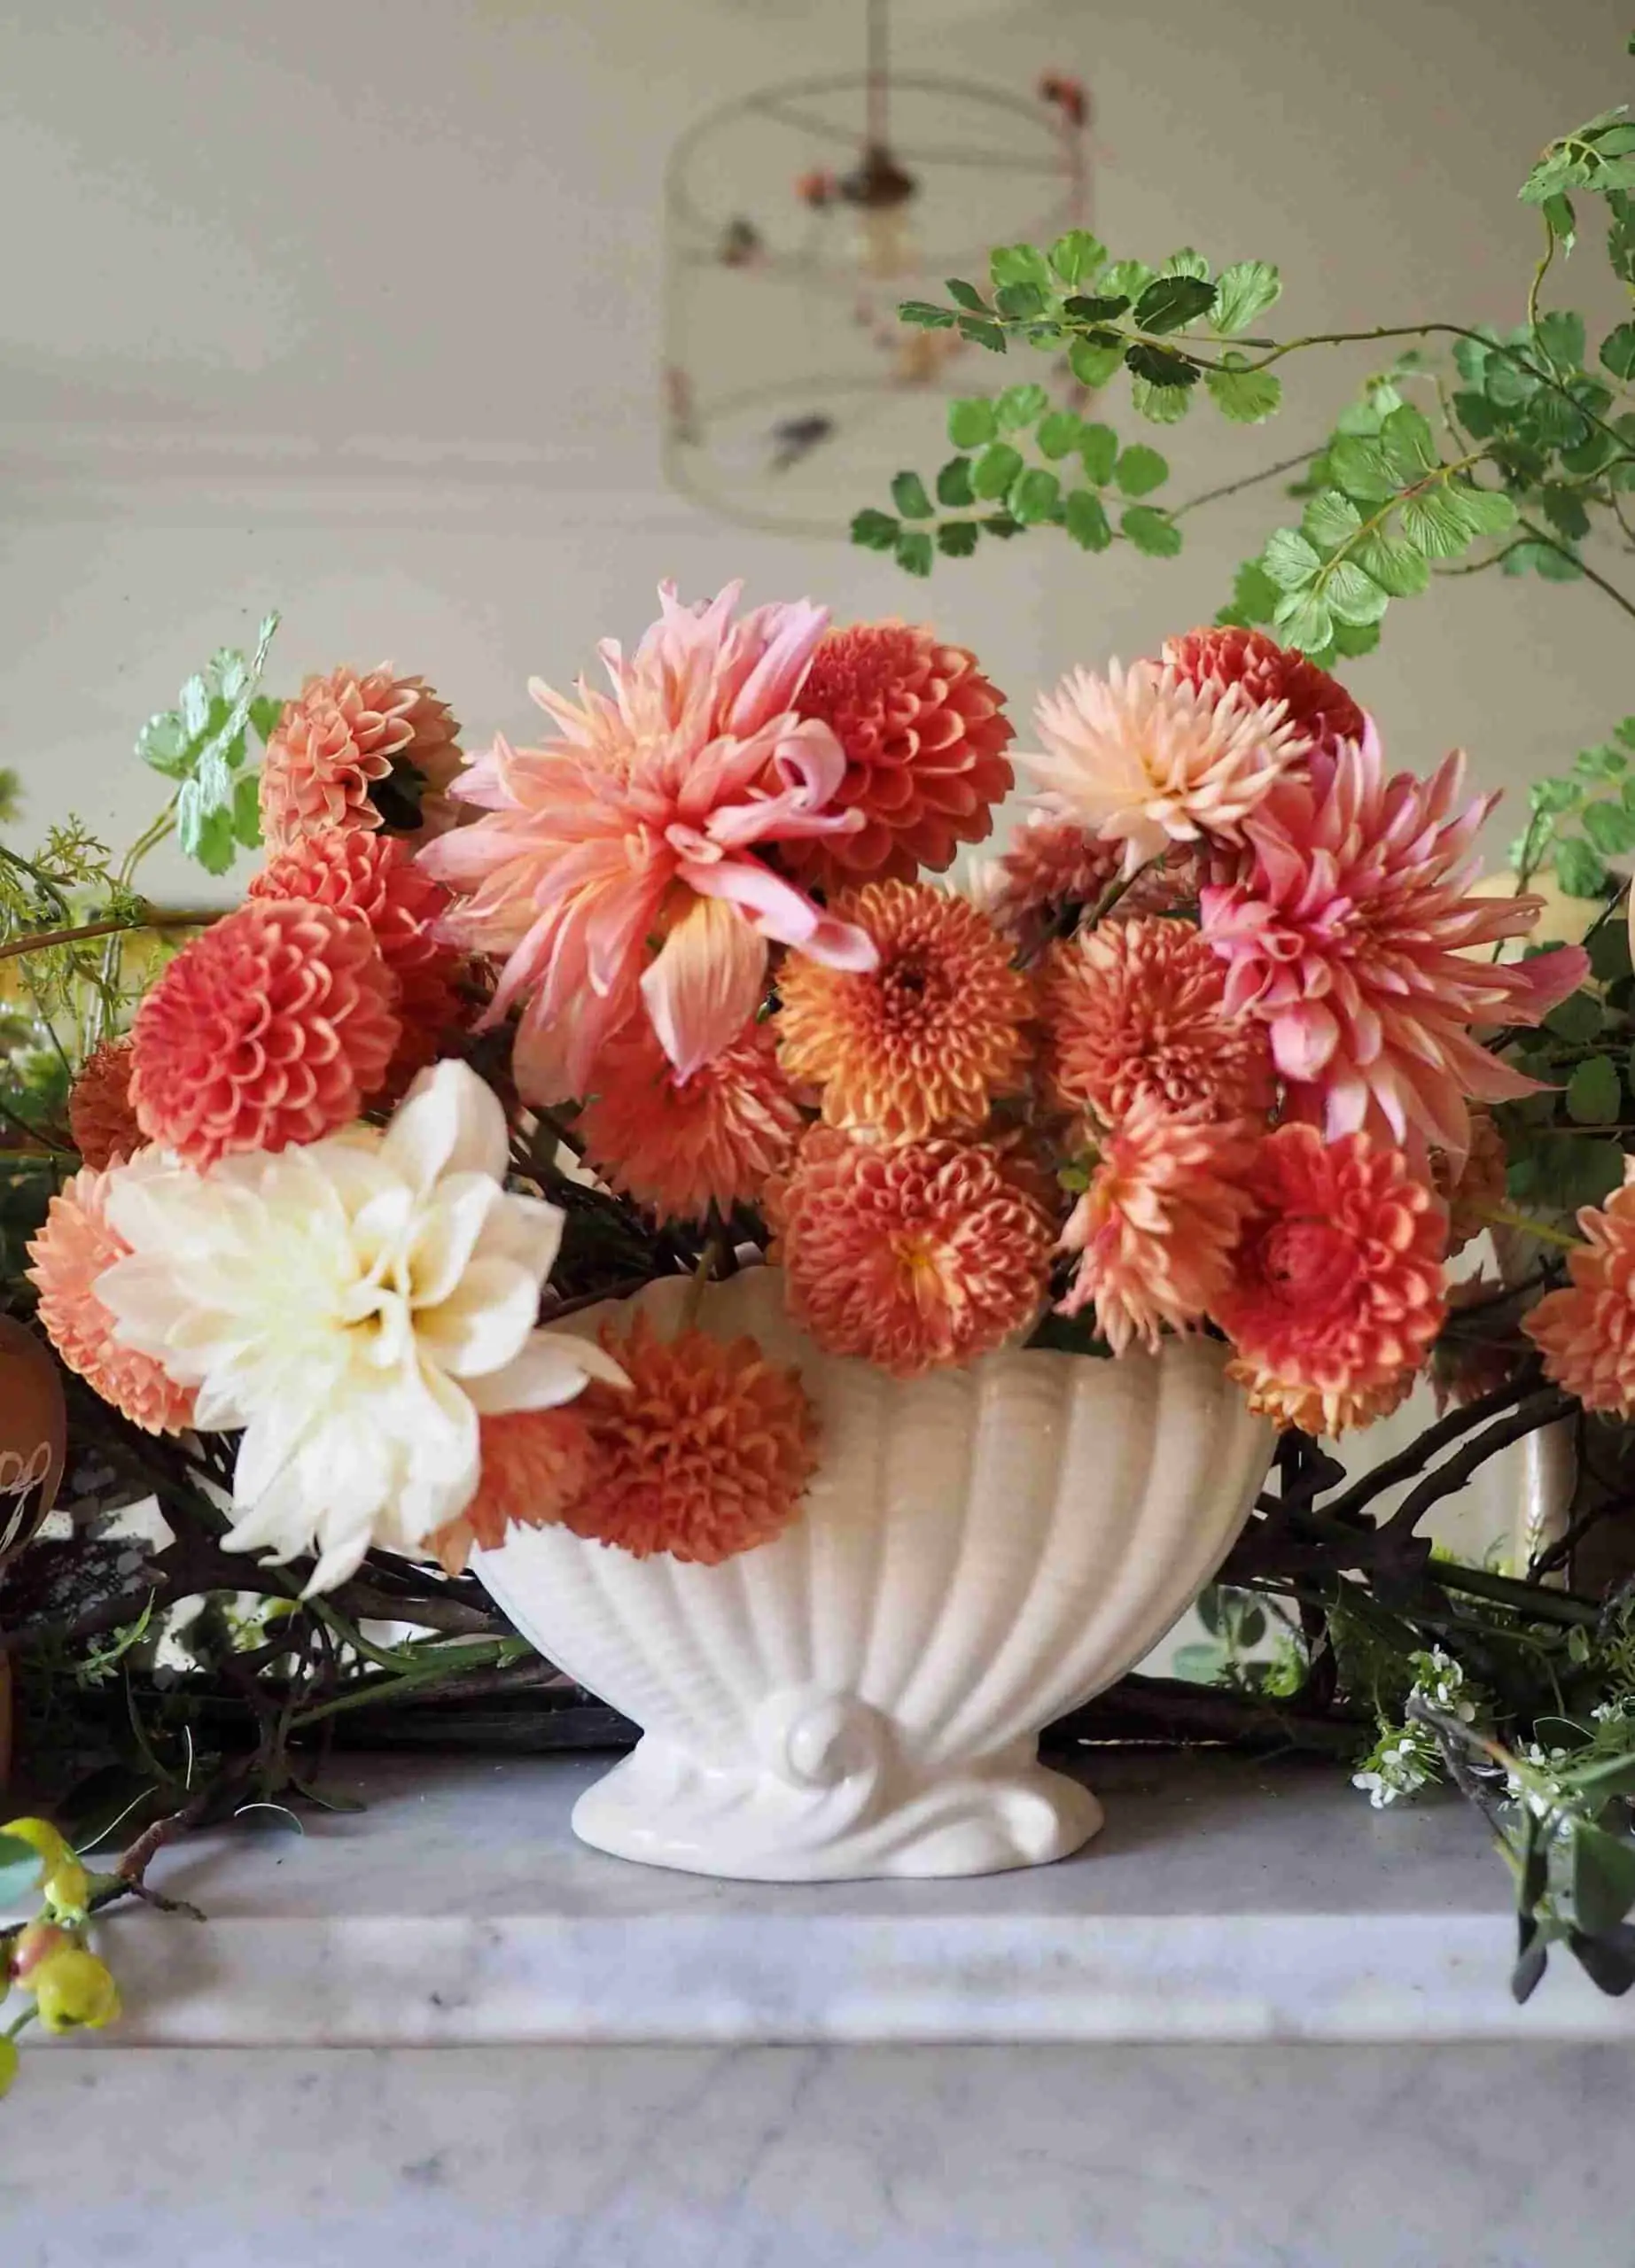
{"x": 1143, "y": 757}
{"x": 1134, "y": 1011}
{"x": 923, "y": 1042}
{"x": 373, "y": 879}
{"x": 680, "y": 1146}
{"x": 708, "y": 1453}
{"x": 100, "y": 1117}
{"x": 1336, "y": 1289}
{"x": 534, "y": 1461}
{"x": 275, "y": 1026}
{"x": 1586, "y": 1332}
{"x": 931, "y": 1254}
{"x": 924, "y": 735}
{"x": 1051, "y": 872}
{"x": 1155, "y": 1230}
{"x": 333, "y": 748}
{"x": 1346, "y": 930}
{"x": 640, "y": 821}
{"x": 1318, "y": 705}
{"x": 76, "y": 1245}
{"x": 1314, "y": 1409}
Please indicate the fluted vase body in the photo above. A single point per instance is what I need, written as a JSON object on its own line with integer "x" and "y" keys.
{"x": 979, "y": 1551}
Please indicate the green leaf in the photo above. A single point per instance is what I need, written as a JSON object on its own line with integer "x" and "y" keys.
{"x": 195, "y": 708}
{"x": 1151, "y": 531}
{"x": 1563, "y": 508}
{"x": 1141, "y": 470}
{"x": 1245, "y": 289}
{"x": 1173, "y": 301}
{"x": 1580, "y": 873}
{"x": 908, "y": 495}
{"x": 1579, "y": 1017}
{"x": 1433, "y": 524}
{"x": 1304, "y": 621}
{"x": 1393, "y": 563}
{"x": 953, "y": 486}
{"x": 1098, "y": 450}
{"x": 1199, "y": 1664}
{"x": 1186, "y": 262}
{"x": 1058, "y": 433}
{"x": 1159, "y": 366}
{"x": 1485, "y": 512}
{"x": 875, "y": 530}
{"x": 1470, "y": 359}
{"x": 1353, "y": 639}
{"x": 1160, "y": 405}
{"x": 1100, "y": 307}
{"x": 1593, "y": 1094}
{"x": 1078, "y": 257}
{"x": 1245, "y": 396}
{"x": 971, "y": 422}
{"x": 1559, "y": 334}
{"x": 1603, "y": 1877}
{"x": 913, "y": 551}
{"x": 247, "y": 811}
{"x": 957, "y": 539}
{"x": 265, "y": 712}
{"x": 967, "y": 295}
{"x": 1360, "y": 467}
{"x": 1610, "y": 827}
{"x": 1409, "y": 445}
{"x": 1086, "y": 520}
{"x": 164, "y": 743}
{"x": 982, "y": 334}
{"x": 1507, "y": 383}
{"x": 1000, "y": 523}
{"x": 1093, "y": 365}
{"x": 1254, "y": 594}
{"x": 1554, "y": 566}
{"x": 1018, "y": 407}
{"x": 205, "y": 828}
{"x": 1009, "y": 264}
{"x": 1617, "y": 351}
{"x": 1563, "y": 222}
{"x": 1351, "y": 596}
{"x": 1033, "y": 496}
{"x": 1127, "y": 278}
{"x": 924, "y": 315}
{"x": 1021, "y": 301}
{"x": 1289, "y": 560}
{"x": 1330, "y": 519}
{"x": 994, "y": 470}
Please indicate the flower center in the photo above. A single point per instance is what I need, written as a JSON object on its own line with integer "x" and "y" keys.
{"x": 1310, "y": 1258}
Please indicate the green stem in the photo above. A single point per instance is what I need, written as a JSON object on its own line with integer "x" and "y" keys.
{"x": 1542, "y": 536}
{"x": 1250, "y": 480}
{"x": 1539, "y": 273}
{"x": 1501, "y": 1216}
{"x": 151, "y": 917}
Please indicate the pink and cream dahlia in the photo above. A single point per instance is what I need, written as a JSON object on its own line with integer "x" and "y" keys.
{"x": 1135, "y": 1011}
{"x": 1143, "y": 757}
{"x": 924, "y": 735}
{"x": 1336, "y": 1285}
{"x": 1346, "y": 929}
{"x": 1156, "y": 1230}
{"x": 641, "y": 821}
{"x": 680, "y": 1146}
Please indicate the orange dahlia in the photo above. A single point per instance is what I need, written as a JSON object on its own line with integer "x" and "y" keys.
{"x": 1051, "y": 872}
{"x": 680, "y": 1146}
{"x": 933, "y": 1253}
{"x": 1155, "y": 1230}
{"x": 923, "y": 1043}
{"x": 373, "y": 879}
{"x": 1135, "y": 1011}
{"x": 1318, "y": 705}
{"x": 358, "y": 752}
{"x": 72, "y": 1248}
{"x": 924, "y": 735}
{"x": 707, "y": 1454}
{"x": 100, "y": 1118}
{"x": 1586, "y": 1332}
{"x": 534, "y": 1461}
{"x": 1477, "y": 1187}
{"x": 275, "y": 1026}
{"x": 1311, "y": 1409}
{"x": 1336, "y": 1289}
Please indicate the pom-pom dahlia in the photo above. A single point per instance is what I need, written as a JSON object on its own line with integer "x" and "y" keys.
{"x": 924, "y": 735}
{"x": 680, "y": 1146}
{"x": 707, "y": 1454}
{"x": 100, "y": 1116}
{"x": 1134, "y": 1011}
{"x": 275, "y": 1026}
{"x": 640, "y": 821}
{"x": 1143, "y": 757}
{"x": 1317, "y": 705}
{"x": 1586, "y": 1332}
{"x": 923, "y": 1042}
{"x": 1337, "y": 1286}
{"x": 931, "y": 1254}
{"x": 332, "y": 748}
{"x": 76, "y": 1245}
{"x": 357, "y": 1306}
{"x": 372, "y": 879}
{"x": 1314, "y": 1410}
{"x": 534, "y": 1461}
{"x": 1346, "y": 929}
{"x": 1051, "y": 871}
{"x": 1155, "y": 1230}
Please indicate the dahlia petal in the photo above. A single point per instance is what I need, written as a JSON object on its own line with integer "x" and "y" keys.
{"x": 707, "y": 982}
{"x": 450, "y": 1122}
{"x": 1304, "y": 1039}
{"x": 551, "y": 1369}
{"x": 483, "y": 1322}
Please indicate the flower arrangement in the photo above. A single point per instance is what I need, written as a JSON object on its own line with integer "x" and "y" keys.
{"x": 1226, "y": 1041}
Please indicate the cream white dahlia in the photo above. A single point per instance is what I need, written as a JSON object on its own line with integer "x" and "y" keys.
{"x": 355, "y": 1304}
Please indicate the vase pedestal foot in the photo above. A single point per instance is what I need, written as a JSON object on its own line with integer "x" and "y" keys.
{"x": 665, "y": 1808}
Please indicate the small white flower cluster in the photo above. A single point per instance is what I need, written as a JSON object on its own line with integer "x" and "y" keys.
{"x": 1550, "y": 1804}
{"x": 1406, "y": 1757}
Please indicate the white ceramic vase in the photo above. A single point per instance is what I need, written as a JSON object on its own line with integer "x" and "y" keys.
{"x": 980, "y": 1550}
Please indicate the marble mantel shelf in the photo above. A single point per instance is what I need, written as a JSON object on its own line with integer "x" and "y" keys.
{"x": 1225, "y": 1901}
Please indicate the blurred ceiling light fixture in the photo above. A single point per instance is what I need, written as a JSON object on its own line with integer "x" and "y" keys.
{"x": 796, "y": 220}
